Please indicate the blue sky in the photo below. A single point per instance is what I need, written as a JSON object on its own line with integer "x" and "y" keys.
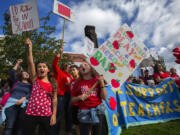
{"x": 156, "y": 22}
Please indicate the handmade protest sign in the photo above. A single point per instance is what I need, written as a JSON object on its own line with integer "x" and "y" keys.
{"x": 135, "y": 104}
{"x": 24, "y": 17}
{"x": 89, "y": 46}
{"x": 63, "y": 11}
{"x": 118, "y": 56}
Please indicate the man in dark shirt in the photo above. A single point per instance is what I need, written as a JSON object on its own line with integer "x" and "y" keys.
{"x": 146, "y": 77}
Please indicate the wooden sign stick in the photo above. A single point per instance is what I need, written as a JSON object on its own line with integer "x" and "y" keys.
{"x": 62, "y": 41}
{"x": 92, "y": 88}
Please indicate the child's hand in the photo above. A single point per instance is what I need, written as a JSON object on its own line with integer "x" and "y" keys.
{"x": 20, "y": 101}
{"x": 83, "y": 97}
{"x": 61, "y": 50}
{"x": 28, "y": 42}
{"x": 53, "y": 120}
{"x": 19, "y": 61}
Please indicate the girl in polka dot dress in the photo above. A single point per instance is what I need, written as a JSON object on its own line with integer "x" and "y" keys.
{"x": 39, "y": 107}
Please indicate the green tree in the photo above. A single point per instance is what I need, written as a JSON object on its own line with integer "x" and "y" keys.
{"x": 13, "y": 46}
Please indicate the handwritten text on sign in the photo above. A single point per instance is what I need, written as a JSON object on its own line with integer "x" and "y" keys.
{"x": 118, "y": 57}
{"x": 24, "y": 17}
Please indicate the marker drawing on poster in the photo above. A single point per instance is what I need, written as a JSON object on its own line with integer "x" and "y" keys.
{"x": 118, "y": 56}
{"x": 24, "y": 17}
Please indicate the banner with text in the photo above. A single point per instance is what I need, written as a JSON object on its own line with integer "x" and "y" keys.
{"x": 118, "y": 57}
{"x": 24, "y": 17}
{"x": 139, "y": 104}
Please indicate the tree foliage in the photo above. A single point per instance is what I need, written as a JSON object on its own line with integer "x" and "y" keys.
{"x": 13, "y": 46}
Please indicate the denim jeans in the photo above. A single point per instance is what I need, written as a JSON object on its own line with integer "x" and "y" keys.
{"x": 96, "y": 129}
{"x": 64, "y": 104}
{"x": 14, "y": 120}
{"x": 60, "y": 108}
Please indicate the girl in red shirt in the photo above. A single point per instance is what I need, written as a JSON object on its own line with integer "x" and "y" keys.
{"x": 89, "y": 103}
{"x": 159, "y": 72}
{"x": 39, "y": 107}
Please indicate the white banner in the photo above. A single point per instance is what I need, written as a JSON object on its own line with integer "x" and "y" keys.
{"x": 24, "y": 17}
{"x": 118, "y": 56}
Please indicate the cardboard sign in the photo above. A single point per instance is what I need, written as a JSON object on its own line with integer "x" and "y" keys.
{"x": 89, "y": 46}
{"x": 63, "y": 10}
{"x": 119, "y": 56}
{"x": 24, "y": 17}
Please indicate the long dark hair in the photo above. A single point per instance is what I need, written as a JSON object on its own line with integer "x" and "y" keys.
{"x": 156, "y": 70}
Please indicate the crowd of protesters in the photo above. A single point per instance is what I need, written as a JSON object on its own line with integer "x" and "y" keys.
{"x": 159, "y": 74}
{"x": 39, "y": 98}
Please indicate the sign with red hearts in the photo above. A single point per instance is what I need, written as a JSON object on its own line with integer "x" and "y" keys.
{"x": 118, "y": 56}
{"x": 24, "y": 17}
{"x": 63, "y": 11}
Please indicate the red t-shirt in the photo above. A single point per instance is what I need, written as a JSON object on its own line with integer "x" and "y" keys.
{"x": 175, "y": 76}
{"x": 72, "y": 89}
{"x": 70, "y": 79}
{"x": 177, "y": 80}
{"x": 162, "y": 75}
{"x": 94, "y": 99}
{"x": 40, "y": 99}
{"x": 60, "y": 76}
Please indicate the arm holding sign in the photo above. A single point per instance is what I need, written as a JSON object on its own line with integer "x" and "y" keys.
{"x": 31, "y": 65}
{"x": 103, "y": 90}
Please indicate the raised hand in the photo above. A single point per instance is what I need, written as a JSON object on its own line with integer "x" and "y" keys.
{"x": 61, "y": 50}
{"x": 19, "y": 61}
{"x": 28, "y": 42}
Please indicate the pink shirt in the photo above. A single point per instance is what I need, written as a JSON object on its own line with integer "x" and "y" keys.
{"x": 40, "y": 99}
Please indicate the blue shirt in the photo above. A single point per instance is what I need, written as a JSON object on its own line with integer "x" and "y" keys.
{"x": 19, "y": 89}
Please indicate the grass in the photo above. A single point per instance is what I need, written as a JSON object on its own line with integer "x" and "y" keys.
{"x": 168, "y": 128}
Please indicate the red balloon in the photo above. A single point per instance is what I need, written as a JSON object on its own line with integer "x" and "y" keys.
{"x": 177, "y": 49}
{"x": 177, "y": 55}
{"x": 177, "y": 61}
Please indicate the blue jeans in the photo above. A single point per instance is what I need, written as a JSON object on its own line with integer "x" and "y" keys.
{"x": 96, "y": 129}
{"x": 14, "y": 120}
{"x": 64, "y": 104}
{"x": 60, "y": 108}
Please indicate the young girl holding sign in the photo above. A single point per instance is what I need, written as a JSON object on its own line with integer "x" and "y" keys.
{"x": 39, "y": 107}
{"x": 89, "y": 102}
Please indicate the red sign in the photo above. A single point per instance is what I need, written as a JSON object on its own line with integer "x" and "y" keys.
{"x": 64, "y": 10}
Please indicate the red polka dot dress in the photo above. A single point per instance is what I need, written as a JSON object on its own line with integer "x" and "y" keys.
{"x": 40, "y": 99}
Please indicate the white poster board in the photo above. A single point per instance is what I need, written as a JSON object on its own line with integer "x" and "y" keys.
{"x": 118, "y": 56}
{"x": 24, "y": 17}
{"x": 89, "y": 46}
{"x": 63, "y": 11}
